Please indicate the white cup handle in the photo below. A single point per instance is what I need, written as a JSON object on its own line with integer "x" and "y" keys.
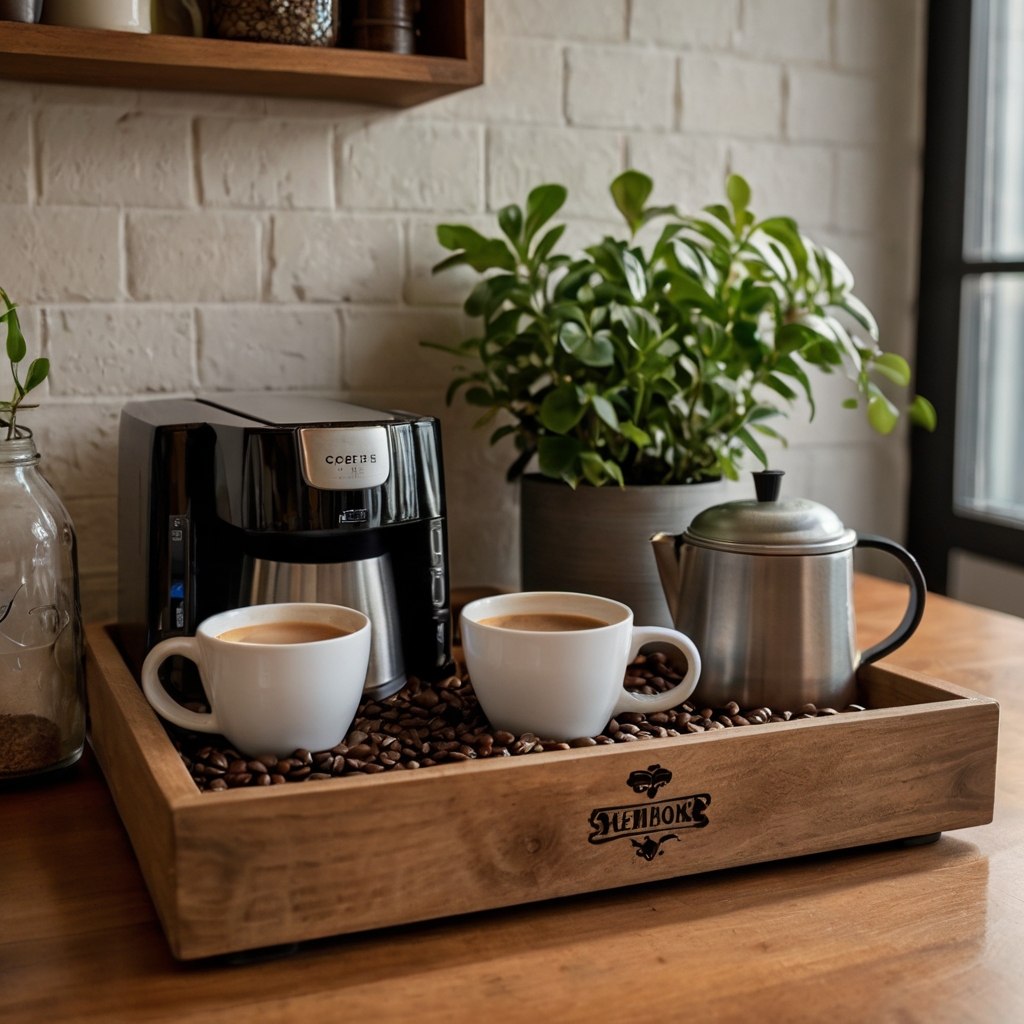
{"x": 647, "y": 703}
{"x": 158, "y": 696}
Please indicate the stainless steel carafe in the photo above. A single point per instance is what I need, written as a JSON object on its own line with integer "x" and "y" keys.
{"x": 367, "y": 584}
{"x": 765, "y": 590}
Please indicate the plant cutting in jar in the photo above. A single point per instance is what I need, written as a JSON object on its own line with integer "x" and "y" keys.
{"x": 664, "y": 365}
{"x": 36, "y": 374}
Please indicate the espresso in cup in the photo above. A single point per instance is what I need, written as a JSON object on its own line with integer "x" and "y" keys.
{"x": 283, "y": 633}
{"x": 553, "y": 663}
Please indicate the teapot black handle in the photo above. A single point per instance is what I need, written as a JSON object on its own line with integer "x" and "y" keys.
{"x": 915, "y": 609}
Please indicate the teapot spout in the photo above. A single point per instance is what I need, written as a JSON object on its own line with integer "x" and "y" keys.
{"x": 666, "y": 554}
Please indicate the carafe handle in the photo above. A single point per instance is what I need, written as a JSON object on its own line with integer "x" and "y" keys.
{"x": 915, "y": 609}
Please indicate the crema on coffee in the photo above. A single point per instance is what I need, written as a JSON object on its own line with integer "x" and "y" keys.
{"x": 283, "y": 633}
{"x": 544, "y": 622}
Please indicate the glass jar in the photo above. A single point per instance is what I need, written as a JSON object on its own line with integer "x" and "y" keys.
{"x": 299, "y": 22}
{"x": 42, "y": 672}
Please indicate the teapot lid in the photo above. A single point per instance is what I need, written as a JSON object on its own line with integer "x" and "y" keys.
{"x": 770, "y": 525}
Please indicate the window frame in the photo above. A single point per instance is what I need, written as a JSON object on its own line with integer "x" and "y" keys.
{"x": 934, "y": 528}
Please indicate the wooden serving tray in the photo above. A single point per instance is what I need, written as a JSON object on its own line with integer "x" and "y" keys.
{"x": 246, "y": 868}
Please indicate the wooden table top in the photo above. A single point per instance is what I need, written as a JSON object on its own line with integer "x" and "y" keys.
{"x": 929, "y": 934}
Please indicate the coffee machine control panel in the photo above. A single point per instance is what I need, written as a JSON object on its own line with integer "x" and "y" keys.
{"x": 179, "y": 560}
{"x": 345, "y": 458}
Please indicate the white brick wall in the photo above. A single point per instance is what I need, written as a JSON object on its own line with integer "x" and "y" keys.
{"x": 102, "y": 156}
{"x": 265, "y": 163}
{"x": 163, "y": 242}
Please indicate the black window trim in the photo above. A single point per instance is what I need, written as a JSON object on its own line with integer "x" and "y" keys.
{"x": 933, "y": 526}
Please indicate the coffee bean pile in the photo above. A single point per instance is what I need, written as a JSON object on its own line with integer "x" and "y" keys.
{"x": 427, "y": 724}
{"x": 300, "y": 22}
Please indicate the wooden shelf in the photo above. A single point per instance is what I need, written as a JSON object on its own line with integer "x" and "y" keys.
{"x": 47, "y": 53}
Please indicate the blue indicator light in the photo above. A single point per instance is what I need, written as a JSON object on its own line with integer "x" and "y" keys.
{"x": 178, "y": 590}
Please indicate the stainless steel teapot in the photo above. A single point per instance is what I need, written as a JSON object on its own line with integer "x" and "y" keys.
{"x": 765, "y": 590}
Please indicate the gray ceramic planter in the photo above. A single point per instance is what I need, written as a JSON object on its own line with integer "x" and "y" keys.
{"x": 596, "y": 540}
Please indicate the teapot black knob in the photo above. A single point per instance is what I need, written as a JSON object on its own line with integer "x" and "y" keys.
{"x": 768, "y": 483}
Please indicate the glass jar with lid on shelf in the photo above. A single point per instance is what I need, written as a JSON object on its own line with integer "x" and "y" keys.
{"x": 298, "y": 22}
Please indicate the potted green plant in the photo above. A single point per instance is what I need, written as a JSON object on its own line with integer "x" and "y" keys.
{"x": 654, "y": 371}
{"x": 42, "y": 680}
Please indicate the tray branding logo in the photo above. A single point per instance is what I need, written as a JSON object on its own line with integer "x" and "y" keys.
{"x": 657, "y": 818}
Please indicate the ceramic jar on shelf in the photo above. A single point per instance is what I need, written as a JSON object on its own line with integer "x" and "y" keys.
{"x": 42, "y": 676}
{"x": 388, "y": 25}
{"x": 121, "y": 15}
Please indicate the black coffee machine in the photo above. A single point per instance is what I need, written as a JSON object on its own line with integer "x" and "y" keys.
{"x": 256, "y": 498}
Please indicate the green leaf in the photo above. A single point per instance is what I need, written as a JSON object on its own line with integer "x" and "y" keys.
{"x": 547, "y": 243}
{"x": 558, "y": 456}
{"x": 458, "y": 260}
{"x": 778, "y": 384}
{"x": 721, "y": 212}
{"x": 479, "y": 396}
{"x": 738, "y": 191}
{"x": 882, "y": 414}
{"x": 851, "y": 403}
{"x": 614, "y": 471}
{"x": 790, "y": 337}
{"x": 596, "y": 350}
{"x": 686, "y": 290}
{"x": 504, "y": 431}
{"x": 861, "y": 314}
{"x": 458, "y": 236}
{"x": 784, "y": 230}
{"x": 573, "y": 336}
{"x": 922, "y": 413}
{"x": 37, "y": 371}
{"x": 489, "y": 294}
{"x": 479, "y": 252}
{"x": 487, "y": 417}
{"x": 789, "y": 366}
{"x": 561, "y": 409}
{"x": 606, "y": 411}
{"x": 454, "y": 387}
{"x": 744, "y": 435}
{"x": 478, "y": 300}
{"x": 593, "y": 468}
{"x": 727, "y": 467}
{"x": 631, "y": 190}
{"x": 894, "y": 367}
{"x": 510, "y": 218}
{"x": 16, "y": 347}
{"x": 541, "y": 205}
{"x": 633, "y": 433}
{"x": 769, "y": 432}
{"x": 636, "y": 278}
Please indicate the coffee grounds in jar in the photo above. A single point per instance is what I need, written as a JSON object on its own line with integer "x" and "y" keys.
{"x": 427, "y": 724}
{"x": 298, "y": 22}
{"x": 28, "y": 743}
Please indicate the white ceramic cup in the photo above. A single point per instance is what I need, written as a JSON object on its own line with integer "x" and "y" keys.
{"x": 562, "y": 686}
{"x": 270, "y": 698}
